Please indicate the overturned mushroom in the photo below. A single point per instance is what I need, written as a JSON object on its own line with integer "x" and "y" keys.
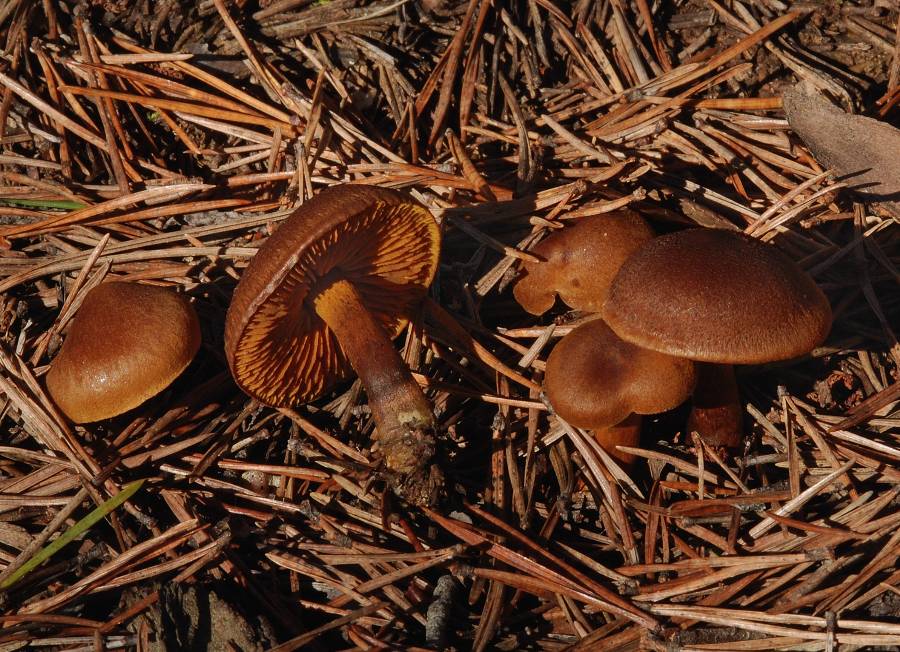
{"x": 330, "y": 290}
{"x": 579, "y": 262}
{"x": 717, "y": 297}
{"x": 126, "y": 344}
{"x": 598, "y": 381}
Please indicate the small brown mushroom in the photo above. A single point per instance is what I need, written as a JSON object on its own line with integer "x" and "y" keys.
{"x": 719, "y": 297}
{"x": 126, "y": 344}
{"x": 596, "y": 380}
{"x": 580, "y": 261}
{"x": 330, "y": 290}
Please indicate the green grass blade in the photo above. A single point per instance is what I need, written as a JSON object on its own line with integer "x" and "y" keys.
{"x": 56, "y": 204}
{"x": 69, "y": 535}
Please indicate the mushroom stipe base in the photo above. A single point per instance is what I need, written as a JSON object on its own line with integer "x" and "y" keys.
{"x": 624, "y": 433}
{"x": 716, "y": 414}
{"x": 404, "y": 419}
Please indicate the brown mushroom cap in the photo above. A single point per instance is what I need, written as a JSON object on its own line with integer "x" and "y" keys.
{"x": 594, "y": 379}
{"x": 717, "y": 296}
{"x": 580, "y": 262}
{"x": 126, "y": 344}
{"x": 385, "y": 243}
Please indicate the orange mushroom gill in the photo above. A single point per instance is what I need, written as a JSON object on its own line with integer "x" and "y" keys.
{"x": 329, "y": 291}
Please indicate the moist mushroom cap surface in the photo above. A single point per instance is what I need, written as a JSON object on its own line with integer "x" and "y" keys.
{"x": 580, "y": 261}
{"x": 594, "y": 379}
{"x": 717, "y": 296}
{"x": 126, "y": 344}
{"x": 382, "y": 241}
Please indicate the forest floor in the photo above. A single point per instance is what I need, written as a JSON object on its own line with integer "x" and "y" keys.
{"x": 163, "y": 142}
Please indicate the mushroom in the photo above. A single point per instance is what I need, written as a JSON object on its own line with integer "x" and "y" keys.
{"x": 718, "y": 297}
{"x": 580, "y": 262}
{"x": 596, "y": 380}
{"x": 330, "y": 290}
{"x": 127, "y": 343}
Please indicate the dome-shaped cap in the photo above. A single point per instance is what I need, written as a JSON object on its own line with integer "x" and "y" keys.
{"x": 717, "y": 296}
{"x": 594, "y": 379}
{"x": 382, "y": 241}
{"x": 580, "y": 261}
{"x": 126, "y": 344}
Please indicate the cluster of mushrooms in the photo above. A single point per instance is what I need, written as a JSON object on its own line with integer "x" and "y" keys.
{"x": 305, "y": 313}
{"x": 674, "y": 312}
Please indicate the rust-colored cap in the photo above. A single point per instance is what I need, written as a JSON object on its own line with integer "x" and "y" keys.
{"x": 580, "y": 262}
{"x": 717, "y": 296}
{"x": 594, "y": 379}
{"x": 385, "y": 243}
{"x": 126, "y": 344}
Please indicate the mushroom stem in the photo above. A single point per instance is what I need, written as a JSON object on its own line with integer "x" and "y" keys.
{"x": 716, "y": 415}
{"x": 624, "y": 433}
{"x": 403, "y": 416}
